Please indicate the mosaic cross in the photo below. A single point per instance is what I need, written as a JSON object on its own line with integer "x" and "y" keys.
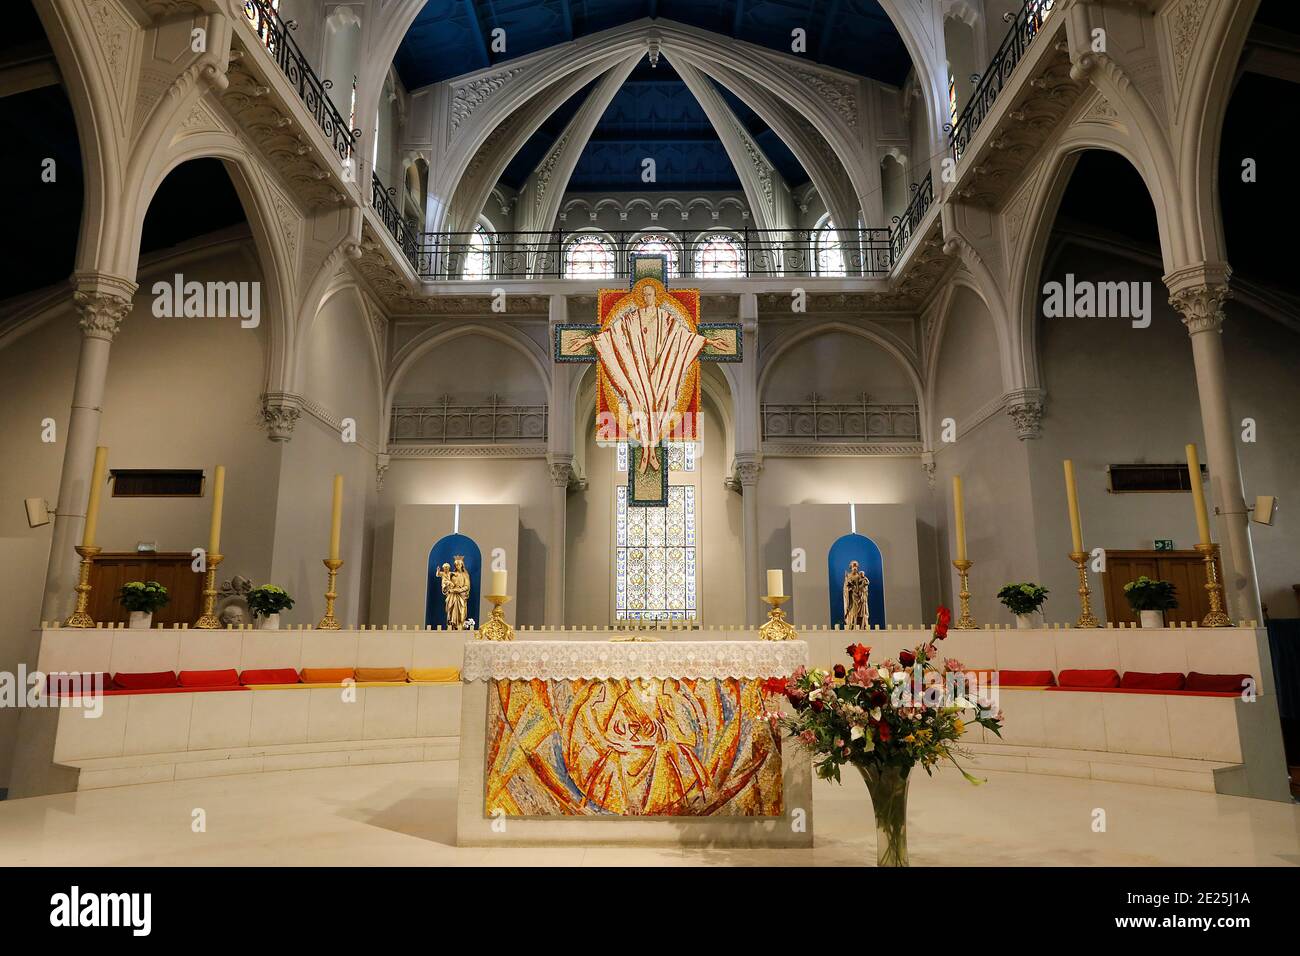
{"x": 647, "y": 346}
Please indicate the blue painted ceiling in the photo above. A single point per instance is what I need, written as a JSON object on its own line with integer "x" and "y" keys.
{"x": 451, "y": 37}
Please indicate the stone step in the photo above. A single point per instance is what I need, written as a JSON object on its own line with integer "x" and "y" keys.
{"x": 1207, "y": 776}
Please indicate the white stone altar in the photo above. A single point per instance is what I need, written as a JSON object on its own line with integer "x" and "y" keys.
{"x": 500, "y": 668}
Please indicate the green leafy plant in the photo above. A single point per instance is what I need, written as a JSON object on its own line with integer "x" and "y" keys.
{"x": 268, "y": 599}
{"x": 1146, "y": 594}
{"x": 147, "y": 596}
{"x": 1023, "y": 598}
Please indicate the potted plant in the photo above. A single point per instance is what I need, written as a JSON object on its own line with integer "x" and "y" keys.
{"x": 1151, "y": 598}
{"x": 1024, "y": 601}
{"x": 142, "y": 598}
{"x": 267, "y": 602}
{"x": 884, "y": 720}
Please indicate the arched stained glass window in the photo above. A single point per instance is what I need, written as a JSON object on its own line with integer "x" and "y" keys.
{"x": 589, "y": 256}
{"x": 652, "y": 244}
{"x": 478, "y": 255}
{"x": 830, "y": 253}
{"x": 719, "y": 255}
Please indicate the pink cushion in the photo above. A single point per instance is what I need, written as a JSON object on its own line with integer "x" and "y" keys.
{"x": 222, "y": 678}
{"x": 1140, "y": 680}
{"x": 1089, "y": 679}
{"x": 1221, "y": 683}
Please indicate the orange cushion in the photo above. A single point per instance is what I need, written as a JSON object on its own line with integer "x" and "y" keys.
{"x": 1027, "y": 678}
{"x": 150, "y": 681}
{"x": 381, "y": 673}
{"x": 1090, "y": 679}
{"x": 326, "y": 675}
{"x": 271, "y": 675}
{"x": 222, "y": 678}
{"x": 1140, "y": 680}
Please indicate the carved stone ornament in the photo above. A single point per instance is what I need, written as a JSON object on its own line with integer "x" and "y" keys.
{"x": 280, "y": 413}
{"x": 1025, "y": 409}
{"x": 101, "y": 313}
{"x": 1201, "y": 307}
{"x": 562, "y": 473}
{"x": 471, "y": 95}
{"x": 747, "y": 472}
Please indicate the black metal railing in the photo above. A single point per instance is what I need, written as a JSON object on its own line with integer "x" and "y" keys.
{"x": 381, "y": 198}
{"x": 817, "y": 421}
{"x": 312, "y": 90}
{"x": 447, "y": 422}
{"x": 1025, "y": 25}
{"x": 904, "y": 226}
{"x": 696, "y": 254}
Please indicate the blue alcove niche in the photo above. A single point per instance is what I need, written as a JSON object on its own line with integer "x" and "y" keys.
{"x": 444, "y": 552}
{"x": 860, "y": 548}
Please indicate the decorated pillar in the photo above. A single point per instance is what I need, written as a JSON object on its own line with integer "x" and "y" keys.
{"x": 747, "y": 470}
{"x": 1198, "y": 293}
{"x": 562, "y": 476}
{"x": 102, "y": 302}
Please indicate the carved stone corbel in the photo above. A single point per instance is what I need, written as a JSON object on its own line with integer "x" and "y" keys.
{"x": 280, "y": 413}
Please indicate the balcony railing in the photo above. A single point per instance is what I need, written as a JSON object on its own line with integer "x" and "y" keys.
{"x": 695, "y": 254}
{"x": 486, "y": 423}
{"x": 312, "y": 90}
{"x": 1026, "y": 25}
{"x": 381, "y": 198}
{"x": 817, "y": 421}
{"x": 900, "y": 233}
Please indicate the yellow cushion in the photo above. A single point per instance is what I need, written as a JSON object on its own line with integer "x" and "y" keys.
{"x": 289, "y": 686}
{"x": 434, "y": 675}
{"x": 382, "y": 683}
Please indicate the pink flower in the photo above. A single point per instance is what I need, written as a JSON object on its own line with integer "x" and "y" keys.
{"x": 839, "y": 741}
{"x": 951, "y": 664}
{"x": 800, "y": 673}
{"x": 808, "y": 738}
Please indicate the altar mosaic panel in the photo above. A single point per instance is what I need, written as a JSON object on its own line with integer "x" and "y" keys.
{"x": 643, "y": 747}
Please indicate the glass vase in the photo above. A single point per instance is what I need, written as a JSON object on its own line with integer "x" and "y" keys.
{"x": 888, "y": 788}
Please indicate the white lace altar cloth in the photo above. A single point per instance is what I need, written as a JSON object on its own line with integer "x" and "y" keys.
{"x": 612, "y": 660}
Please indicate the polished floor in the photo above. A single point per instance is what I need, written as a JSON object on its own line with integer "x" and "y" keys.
{"x": 404, "y": 814}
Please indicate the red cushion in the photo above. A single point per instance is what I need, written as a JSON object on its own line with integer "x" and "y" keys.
{"x": 1222, "y": 683}
{"x": 220, "y": 689}
{"x": 221, "y": 678}
{"x": 1135, "y": 690}
{"x": 1089, "y": 679}
{"x": 150, "y": 681}
{"x": 1139, "y": 680}
{"x": 74, "y": 682}
{"x": 271, "y": 675}
{"x": 1026, "y": 679}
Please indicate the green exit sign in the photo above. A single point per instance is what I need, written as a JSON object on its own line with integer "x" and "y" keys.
{"x": 1164, "y": 544}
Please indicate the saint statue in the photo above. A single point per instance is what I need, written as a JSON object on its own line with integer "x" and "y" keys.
{"x": 455, "y": 592}
{"x": 856, "y": 585}
{"x": 647, "y": 349}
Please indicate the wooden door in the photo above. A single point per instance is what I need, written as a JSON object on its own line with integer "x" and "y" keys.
{"x": 170, "y": 569}
{"x": 1184, "y": 569}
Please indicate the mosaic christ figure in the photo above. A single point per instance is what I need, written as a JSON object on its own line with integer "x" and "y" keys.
{"x": 647, "y": 349}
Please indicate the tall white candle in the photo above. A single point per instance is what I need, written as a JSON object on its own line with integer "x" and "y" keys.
{"x": 776, "y": 583}
{"x": 92, "y": 503}
{"x": 218, "y": 502}
{"x": 498, "y": 582}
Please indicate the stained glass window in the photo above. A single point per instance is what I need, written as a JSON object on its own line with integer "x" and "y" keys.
{"x": 952, "y": 99}
{"x": 478, "y": 257}
{"x": 830, "y": 255}
{"x": 655, "y": 559}
{"x": 719, "y": 255}
{"x": 654, "y": 245}
{"x": 589, "y": 257}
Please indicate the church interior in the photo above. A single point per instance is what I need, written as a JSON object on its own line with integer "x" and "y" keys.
{"x": 598, "y": 432}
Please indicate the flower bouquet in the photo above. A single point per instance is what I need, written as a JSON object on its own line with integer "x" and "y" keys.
{"x": 267, "y": 602}
{"x": 885, "y": 719}
{"x": 141, "y": 599}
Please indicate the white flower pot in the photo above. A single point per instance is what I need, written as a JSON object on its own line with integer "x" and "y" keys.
{"x": 1152, "y": 619}
{"x": 271, "y": 622}
{"x": 141, "y": 620}
{"x": 1024, "y": 621}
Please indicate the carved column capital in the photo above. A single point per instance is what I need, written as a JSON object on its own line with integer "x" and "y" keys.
{"x": 746, "y": 471}
{"x": 280, "y": 413}
{"x": 101, "y": 313}
{"x": 1025, "y": 409}
{"x": 381, "y": 470}
{"x": 928, "y": 466}
{"x": 1201, "y": 307}
{"x": 563, "y": 474}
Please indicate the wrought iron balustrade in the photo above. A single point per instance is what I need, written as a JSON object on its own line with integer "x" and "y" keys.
{"x": 1025, "y": 26}
{"x": 605, "y": 255}
{"x": 381, "y": 198}
{"x": 900, "y": 233}
{"x": 818, "y": 421}
{"x": 486, "y": 423}
{"x": 312, "y": 90}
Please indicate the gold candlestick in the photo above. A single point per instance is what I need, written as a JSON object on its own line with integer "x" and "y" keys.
{"x": 1217, "y": 616}
{"x": 79, "y": 617}
{"x": 208, "y": 620}
{"x": 777, "y": 627}
{"x": 1086, "y": 617}
{"x": 496, "y": 628}
{"x": 328, "y": 622}
{"x": 964, "y": 622}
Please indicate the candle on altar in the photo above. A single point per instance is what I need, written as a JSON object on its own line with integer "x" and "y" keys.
{"x": 959, "y": 512}
{"x": 498, "y": 582}
{"x": 1072, "y": 497}
{"x": 218, "y": 500}
{"x": 1198, "y": 494}
{"x": 776, "y": 583}
{"x": 92, "y": 504}
{"x": 336, "y": 518}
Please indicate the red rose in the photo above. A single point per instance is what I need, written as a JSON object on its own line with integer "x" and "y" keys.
{"x": 859, "y": 653}
{"x": 883, "y": 731}
{"x": 943, "y": 617}
{"x": 879, "y": 698}
{"x": 906, "y": 658}
{"x": 818, "y": 706}
{"x": 839, "y": 671}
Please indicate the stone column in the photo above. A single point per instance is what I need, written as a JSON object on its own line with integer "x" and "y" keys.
{"x": 102, "y": 303}
{"x": 561, "y": 476}
{"x": 1198, "y": 293}
{"x": 747, "y": 470}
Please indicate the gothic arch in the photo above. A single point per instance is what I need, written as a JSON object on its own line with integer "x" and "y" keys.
{"x": 342, "y": 284}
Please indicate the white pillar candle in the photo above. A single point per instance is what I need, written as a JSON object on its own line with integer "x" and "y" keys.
{"x": 775, "y": 583}
{"x": 498, "y": 582}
